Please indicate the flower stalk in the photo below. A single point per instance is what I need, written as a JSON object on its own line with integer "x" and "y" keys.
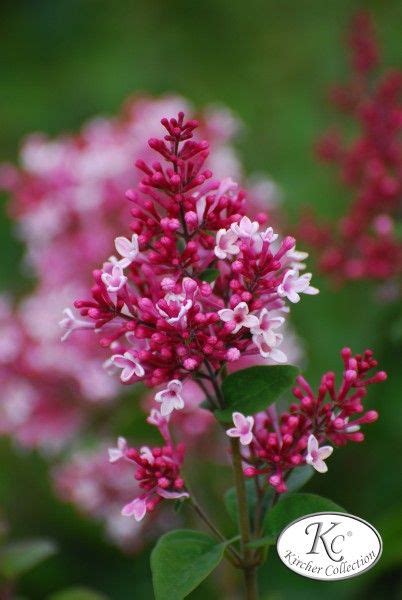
{"x": 248, "y": 566}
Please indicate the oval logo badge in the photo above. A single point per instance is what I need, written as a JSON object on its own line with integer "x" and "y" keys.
{"x": 329, "y": 546}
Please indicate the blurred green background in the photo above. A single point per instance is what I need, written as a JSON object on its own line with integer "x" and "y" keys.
{"x": 65, "y": 61}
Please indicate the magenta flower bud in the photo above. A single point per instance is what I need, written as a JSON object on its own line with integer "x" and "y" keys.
{"x": 131, "y": 195}
{"x": 250, "y": 471}
{"x": 205, "y": 289}
{"x": 346, "y": 353}
{"x": 191, "y": 218}
{"x": 190, "y": 364}
{"x": 163, "y": 482}
{"x": 350, "y": 375}
{"x": 306, "y": 403}
{"x": 293, "y": 421}
{"x": 274, "y": 480}
{"x": 246, "y": 296}
{"x": 233, "y": 354}
{"x": 370, "y": 417}
{"x": 175, "y": 179}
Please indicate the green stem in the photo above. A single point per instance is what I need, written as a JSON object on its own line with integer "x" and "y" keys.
{"x": 250, "y": 580}
{"x": 217, "y": 389}
{"x": 248, "y": 566}
{"x": 230, "y": 552}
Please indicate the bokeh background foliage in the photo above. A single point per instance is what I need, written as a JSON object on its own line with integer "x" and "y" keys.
{"x": 62, "y": 62}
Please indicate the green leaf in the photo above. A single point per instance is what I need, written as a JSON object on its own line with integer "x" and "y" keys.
{"x": 299, "y": 477}
{"x": 77, "y": 593}
{"x": 18, "y": 557}
{"x": 181, "y": 560}
{"x": 293, "y": 506}
{"x": 209, "y": 275}
{"x": 252, "y": 390}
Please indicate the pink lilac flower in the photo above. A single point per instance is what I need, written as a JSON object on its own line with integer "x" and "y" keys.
{"x": 245, "y": 228}
{"x": 363, "y": 244}
{"x": 267, "y": 322}
{"x": 294, "y": 284}
{"x": 242, "y": 429}
{"x": 128, "y": 249}
{"x": 157, "y": 471}
{"x": 189, "y": 224}
{"x": 317, "y": 455}
{"x": 238, "y": 317}
{"x": 171, "y": 398}
{"x": 130, "y": 367}
{"x": 226, "y": 244}
{"x": 268, "y": 346}
{"x": 98, "y": 490}
{"x": 291, "y": 346}
{"x": 70, "y": 323}
{"x": 115, "y": 280}
{"x": 297, "y": 436}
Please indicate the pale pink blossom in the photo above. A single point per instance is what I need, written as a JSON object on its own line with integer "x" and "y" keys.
{"x": 117, "y": 453}
{"x": 268, "y": 235}
{"x": 146, "y": 453}
{"x": 267, "y": 323}
{"x": 127, "y": 249}
{"x": 70, "y": 323}
{"x": 245, "y": 228}
{"x": 115, "y": 280}
{"x": 316, "y": 455}
{"x": 243, "y": 428}
{"x": 171, "y": 398}
{"x": 296, "y": 258}
{"x": 239, "y": 317}
{"x": 137, "y": 509}
{"x": 294, "y": 284}
{"x": 226, "y": 244}
{"x": 129, "y": 365}
{"x": 174, "y": 307}
{"x": 269, "y": 349}
{"x": 156, "y": 418}
{"x": 172, "y": 495}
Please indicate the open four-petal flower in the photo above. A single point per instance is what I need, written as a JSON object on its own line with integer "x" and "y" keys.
{"x": 316, "y": 455}
{"x": 171, "y": 398}
{"x": 129, "y": 365}
{"x": 243, "y": 428}
{"x": 239, "y": 317}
